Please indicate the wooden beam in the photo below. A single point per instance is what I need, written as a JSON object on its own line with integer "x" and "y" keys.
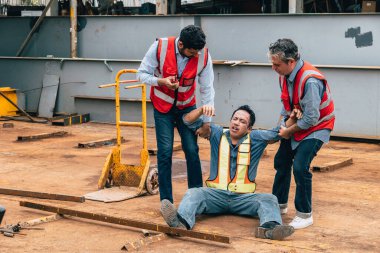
{"x": 332, "y": 165}
{"x": 40, "y": 220}
{"x": 42, "y": 136}
{"x": 128, "y": 222}
{"x": 138, "y": 244}
{"x": 99, "y": 143}
{"x": 153, "y": 151}
{"x": 41, "y": 195}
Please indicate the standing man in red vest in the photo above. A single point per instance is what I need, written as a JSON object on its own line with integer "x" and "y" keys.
{"x": 174, "y": 67}
{"x": 303, "y": 87}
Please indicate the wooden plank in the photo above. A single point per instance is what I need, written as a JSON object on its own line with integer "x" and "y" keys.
{"x": 99, "y": 143}
{"x": 8, "y": 125}
{"x": 128, "y": 222}
{"x": 42, "y": 136}
{"x": 138, "y": 244}
{"x": 41, "y": 195}
{"x": 153, "y": 151}
{"x": 40, "y": 220}
{"x": 331, "y": 166}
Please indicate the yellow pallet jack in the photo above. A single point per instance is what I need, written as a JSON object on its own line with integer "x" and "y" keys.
{"x": 122, "y": 181}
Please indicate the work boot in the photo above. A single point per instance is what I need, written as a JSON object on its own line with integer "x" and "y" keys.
{"x": 299, "y": 222}
{"x": 279, "y": 232}
{"x": 169, "y": 213}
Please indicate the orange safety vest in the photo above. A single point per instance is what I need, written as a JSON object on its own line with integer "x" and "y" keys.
{"x": 240, "y": 183}
{"x": 162, "y": 97}
{"x": 326, "y": 107}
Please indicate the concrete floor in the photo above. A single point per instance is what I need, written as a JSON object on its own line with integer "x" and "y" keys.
{"x": 345, "y": 207}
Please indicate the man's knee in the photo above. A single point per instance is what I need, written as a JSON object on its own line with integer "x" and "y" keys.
{"x": 300, "y": 168}
{"x": 268, "y": 197}
{"x": 281, "y": 164}
{"x": 194, "y": 193}
{"x": 191, "y": 149}
{"x": 165, "y": 151}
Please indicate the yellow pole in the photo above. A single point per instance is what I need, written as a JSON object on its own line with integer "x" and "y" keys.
{"x": 145, "y": 145}
{"x": 117, "y": 102}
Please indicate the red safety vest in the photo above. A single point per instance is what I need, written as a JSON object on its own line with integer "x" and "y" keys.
{"x": 162, "y": 97}
{"x": 326, "y": 107}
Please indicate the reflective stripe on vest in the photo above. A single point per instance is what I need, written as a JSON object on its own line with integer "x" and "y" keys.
{"x": 326, "y": 107}
{"x": 162, "y": 97}
{"x": 240, "y": 183}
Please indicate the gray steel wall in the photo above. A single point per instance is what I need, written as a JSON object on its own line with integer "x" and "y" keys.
{"x": 356, "y": 91}
{"x": 321, "y": 38}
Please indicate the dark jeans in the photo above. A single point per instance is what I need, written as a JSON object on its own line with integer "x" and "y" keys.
{"x": 165, "y": 123}
{"x": 2, "y": 212}
{"x": 300, "y": 158}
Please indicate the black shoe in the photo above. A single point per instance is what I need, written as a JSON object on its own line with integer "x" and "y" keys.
{"x": 279, "y": 232}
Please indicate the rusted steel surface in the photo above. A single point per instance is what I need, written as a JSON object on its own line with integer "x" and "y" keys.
{"x": 41, "y": 195}
{"x": 128, "y": 222}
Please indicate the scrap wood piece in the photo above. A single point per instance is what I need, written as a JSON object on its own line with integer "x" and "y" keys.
{"x": 99, "y": 143}
{"x": 332, "y": 165}
{"x": 8, "y": 125}
{"x": 176, "y": 147}
{"x": 45, "y": 219}
{"x": 42, "y": 136}
{"x": 71, "y": 120}
{"x": 136, "y": 245}
{"x": 41, "y": 195}
{"x": 129, "y": 222}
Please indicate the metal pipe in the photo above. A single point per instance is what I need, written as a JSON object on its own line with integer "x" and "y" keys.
{"x": 127, "y": 123}
{"x": 73, "y": 29}
{"x": 36, "y": 25}
{"x": 129, "y": 222}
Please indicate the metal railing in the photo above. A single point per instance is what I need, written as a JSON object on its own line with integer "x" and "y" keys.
{"x": 23, "y": 2}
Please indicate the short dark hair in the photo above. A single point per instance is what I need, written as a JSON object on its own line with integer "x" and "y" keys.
{"x": 193, "y": 37}
{"x": 285, "y": 49}
{"x": 252, "y": 117}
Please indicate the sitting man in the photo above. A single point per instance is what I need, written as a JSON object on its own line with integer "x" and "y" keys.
{"x": 2, "y": 212}
{"x": 235, "y": 154}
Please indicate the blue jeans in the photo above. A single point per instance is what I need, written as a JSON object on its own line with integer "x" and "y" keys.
{"x": 2, "y": 212}
{"x": 165, "y": 123}
{"x": 300, "y": 159}
{"x": 215, "y": 201}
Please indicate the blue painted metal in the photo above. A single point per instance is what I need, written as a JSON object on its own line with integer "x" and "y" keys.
{"x": 356, "y": 91}
{"x": 108, "y": 44}
{"x": 322, "y": 38}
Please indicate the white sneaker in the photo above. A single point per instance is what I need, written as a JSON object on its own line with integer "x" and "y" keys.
{"x": 299, "y": 222}
{"x": 283, "y": 210}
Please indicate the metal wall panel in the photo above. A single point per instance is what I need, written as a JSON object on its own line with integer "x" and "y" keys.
{"x": 52, "y": 37}
{"x": 126, "y": 37}
{"x": 321, "y": 38}
{"x": 356, "y": 91}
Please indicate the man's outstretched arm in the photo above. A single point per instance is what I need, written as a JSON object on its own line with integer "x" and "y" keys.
{"x": 194, "y": 115}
